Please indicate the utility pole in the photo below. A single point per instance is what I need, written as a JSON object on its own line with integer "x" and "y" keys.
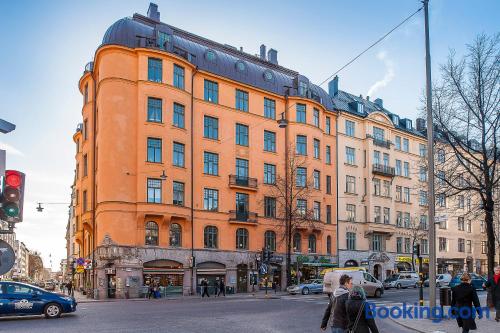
{"x": 430, "y": 158}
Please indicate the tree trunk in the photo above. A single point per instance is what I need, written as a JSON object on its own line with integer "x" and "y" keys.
{"x": 288, "y": 257}
{"x": 488, "y": 219}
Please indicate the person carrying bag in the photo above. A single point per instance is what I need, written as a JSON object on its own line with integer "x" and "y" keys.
{"x": 359, "y": 322}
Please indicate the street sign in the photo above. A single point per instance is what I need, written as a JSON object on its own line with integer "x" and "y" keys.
{"x": 80, "y": 261}
{"x": 80, "y": 269}
{"x": 263, "y": 269}
{"x": 7, "y": 257}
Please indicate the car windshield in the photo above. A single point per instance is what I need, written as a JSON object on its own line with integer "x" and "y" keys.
{"x": 307, "y": 282}
{"x": 393, "y": 277}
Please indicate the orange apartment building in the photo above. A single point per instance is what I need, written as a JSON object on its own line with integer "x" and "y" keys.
{"x": 176, "y": 154}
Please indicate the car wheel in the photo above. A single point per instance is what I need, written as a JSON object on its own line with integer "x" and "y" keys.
{"x": 438, "y": 285}
{"x": 416, "y": 285}
{"x": 305, "y": 291}
{"x": 398, "y": 286}
{"x": 52, "y": 310}
{"x": 378, "y": 293}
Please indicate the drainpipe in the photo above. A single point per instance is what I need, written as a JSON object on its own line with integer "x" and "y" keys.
{"x": 193, "y": 280}
{"x": 337, "y": 181}
{"x": 94, "y": 194}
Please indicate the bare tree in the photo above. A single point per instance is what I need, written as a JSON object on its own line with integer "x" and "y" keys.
{"x": 466, "y": 104}
{"x": 417, "y": 231}
{"x": 292, "y": 191}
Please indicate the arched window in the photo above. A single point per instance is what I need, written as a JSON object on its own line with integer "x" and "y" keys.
{"x": 151, "y": 233}
{"x": 175, "y": 235}
{"x": 297, "y": 240}
{"x": 242, "y": 239}
{"x": 210, "y": 236}
{"x": 312, "y": 244}
{"x": 329, "y": 245}
{"x": 270, "y": 240}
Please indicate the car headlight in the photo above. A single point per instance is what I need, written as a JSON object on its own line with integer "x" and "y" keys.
{"x": 69, "y": 299}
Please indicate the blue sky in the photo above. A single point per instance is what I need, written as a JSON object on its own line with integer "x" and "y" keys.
{"x": 45, "y": 45}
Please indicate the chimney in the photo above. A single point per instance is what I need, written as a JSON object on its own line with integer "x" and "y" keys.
{"x": 272, "y": 56}
{"x": 420, "y": 124}
{"x": 241, "y": 48}
{"x": 379, "y": 102}
{"x": 368, "y": 98}
{"x": 153, "y": 12}
{"x": 263, "y": 52}
{"x": 333, "y": 86}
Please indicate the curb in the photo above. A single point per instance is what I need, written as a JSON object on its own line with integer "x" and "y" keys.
{"x": 406, "y": 326}
{"x": 86, "y": 301}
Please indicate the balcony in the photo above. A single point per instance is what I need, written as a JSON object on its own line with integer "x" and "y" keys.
{"x": 243, "y": 182}
{"x": 249, "y": 217}
{"x": 383, "y": 170}
{"x": 380, "y": 142}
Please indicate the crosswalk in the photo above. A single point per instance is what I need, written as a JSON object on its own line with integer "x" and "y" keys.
{"x": 323, "y": 300}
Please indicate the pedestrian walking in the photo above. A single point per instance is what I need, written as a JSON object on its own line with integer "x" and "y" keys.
{"x": 465, "y": 303}
{"x": 216, "y": 287}
{"x": 69, "y": 286}
{"x": 150, "y": 290}
{"x": 222, "y": 288}
{"x": 493, "y": 285}
{"x": 204, "y": 288}
{"x": 360, "y": 320}
{"x": 335, "y": 313}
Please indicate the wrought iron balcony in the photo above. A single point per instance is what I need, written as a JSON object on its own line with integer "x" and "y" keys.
{"x": 239, "y": 181}
{"x": 383, "y": 170}
{"x": 380, "y": 142}
{"x": 242, "y": 216}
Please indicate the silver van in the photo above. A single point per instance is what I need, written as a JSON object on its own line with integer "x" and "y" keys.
{"x": 402, "y": 280}
{"x": 372, "y": 286}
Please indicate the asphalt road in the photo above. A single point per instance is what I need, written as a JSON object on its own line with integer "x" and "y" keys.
{"x": 288, "y": 314}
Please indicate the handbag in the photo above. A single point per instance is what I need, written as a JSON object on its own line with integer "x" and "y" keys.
{"x": 353, "y": 328}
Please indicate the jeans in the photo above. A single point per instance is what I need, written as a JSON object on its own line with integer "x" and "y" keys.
{"x": 338, "y": 330}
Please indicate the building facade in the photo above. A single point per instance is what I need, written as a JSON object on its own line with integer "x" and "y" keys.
{"x": 177, "y": 155}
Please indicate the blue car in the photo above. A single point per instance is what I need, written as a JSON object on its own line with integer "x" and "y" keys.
{"x": 477, "y": 281}
{"x": 307, "y": 287}
{"x": 21, "y": 299}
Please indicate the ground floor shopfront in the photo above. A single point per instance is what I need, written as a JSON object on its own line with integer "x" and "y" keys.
{"x": 470, "y": 264}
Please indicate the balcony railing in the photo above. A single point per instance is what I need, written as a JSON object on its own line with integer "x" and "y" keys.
{"x": 380, "y": 142}
{"x": 242, "y": 216}
{"x": 383, "y": 170}
{"x": 235, "y": 180}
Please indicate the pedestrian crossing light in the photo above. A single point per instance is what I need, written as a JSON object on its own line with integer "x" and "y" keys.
{"x": 11, "y": 201}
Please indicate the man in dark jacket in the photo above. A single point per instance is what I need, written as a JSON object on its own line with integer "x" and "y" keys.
{"x": 360, "y": 319}
{"x": 493, "y": 286}
{"x": 464, "y": 296}
{"x": 336, "y": 310}
{"x": 204, "y": 288}
{"x": 222, "y": 288}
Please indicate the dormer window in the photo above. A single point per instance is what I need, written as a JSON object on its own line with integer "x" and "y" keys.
{"x": 395, "y": 120}
{"x": 408, "y": 124}
{"x": 240, "y": 66}
{"x": 210, "y": 55}
{"x": 357, "y": 107}
{"x": 163, "y": 39}
{"x": 268, "y": 76}
{"x": 302, "y": 88}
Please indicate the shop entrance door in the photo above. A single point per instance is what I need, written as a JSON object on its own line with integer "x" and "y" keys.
{"x": 111, "y": 286}
{"x": 242, "y": 278}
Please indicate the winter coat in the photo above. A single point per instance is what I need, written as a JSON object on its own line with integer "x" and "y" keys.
{"x": 464, "y": 296}
{"x": 337, "y": 313}
{"x": 365, "y": 325}
{"x": 494, "y": 289}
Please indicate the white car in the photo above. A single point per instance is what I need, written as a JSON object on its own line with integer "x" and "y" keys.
{"x": 442, "y": 280}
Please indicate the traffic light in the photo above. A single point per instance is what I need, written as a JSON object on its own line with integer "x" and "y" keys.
{"x": 11, "y": 201}
{"x": 266, "y": 255}
{"x": 416, "y": 250}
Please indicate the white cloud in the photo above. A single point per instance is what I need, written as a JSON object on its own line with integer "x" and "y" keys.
{"x": 10, "y": 149}
{"x": 388, "y": 76}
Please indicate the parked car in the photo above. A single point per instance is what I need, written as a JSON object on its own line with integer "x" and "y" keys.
{"x": 372, "y": 286}
{"x": 50, "y": 286}
{"x": 307, "y": 287}
{"x": 477, "y": 281}
{"x": 402, "y": 280}
{"x": 442, "y": 280}
{"x": 21, "y": 299}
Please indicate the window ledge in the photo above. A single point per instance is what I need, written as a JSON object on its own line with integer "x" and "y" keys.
{"x": 351, "y": 165}
{"x": 349, "y": 193}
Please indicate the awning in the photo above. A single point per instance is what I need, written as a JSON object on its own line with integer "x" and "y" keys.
{"x": 210, "y": 271}
{"x": 319, "y": 264}
{"x": 162, "y": 271}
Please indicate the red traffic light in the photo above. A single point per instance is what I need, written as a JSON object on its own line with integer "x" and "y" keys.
{"x": 13, "y": 178}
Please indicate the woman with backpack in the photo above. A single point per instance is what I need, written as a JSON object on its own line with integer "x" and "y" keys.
{"x": 336, "y": 310}
{"x": 357, "y": 317}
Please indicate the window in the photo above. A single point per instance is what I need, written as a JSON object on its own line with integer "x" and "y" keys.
{"x": 376, "y": 186}
{"x": 399, "y": 193}
{"x": 316, "y": 148}
{"x": 317, "y": 179}
{"x": 85, "y": 165}
{"x": 386, "y": 160}
{"x": 211, "y": 128}
{"x": 377, "y": 214}
{"x": 443, "y": 244}
{"x": 349, "y": 128}
{"x": 406, "y": 197}
{"x": 350, "y": 155}
{"x": 399, "y": 219}
{"x": 163, "y": 39}
{"x": 178, "y": 195}
{"x": 351, "y": 212}
{"x": 406, "y": 145}
{"x": 422, "y": 149}
{"x": 269, "y": 108}
{"x": 422, "y": 198}
{"x": 85, "y": 129}
{"x": 312, "y": 244}
{"x": 407, "y": 245}
{"x": 376, "y": 157}
{"x": 350, "y": 184}
{"x": 440, "y": 155}
{"x": 441, "y": 200}
{"x": 424, "y": 246}
{"x": 469, "y": 246}
{"x": 241, "y": 169}
{"x": 406, "y": 169}
{"x": 154, "y": 110}
{"x": 399, "y": 245}
{"x": 211, "y": 91}
{"x": 461, "y": 201}
{"x": 468, "y": 226}
{"x": 154, "y": 150}
{"x": 301, "y": 206}
{"x": 154, "y": 190}
{"x": 406, "y": 220}
{"x": 301, "y": 177}
{"x": 269, "y": 173}
{"x": 443, "y": 224}
{"x": 423, "y": 174}
{"x": 316, "y": 117}
{"x": 328, "y": 126}
{"x": 397, "y": 143}
{"x": 86, "y": 94}
{"x": 178, "y": 115}
{"x": 297, "y": 240}
{"x": 328, "y": 184}
{"x": 351, "y": 240}
{"x": 151, "y": 233}
{"x": 328, "y": 155}
{"x": 175, "y": 235}
{"x": 211, "y": 163}
{"x": 154, "y": 70}
{"x": 386, "y": 189}
{"x": 210, "y": 237}
{"x": 440, "y": 178}
{"x": 484, "y": 247}
{"x": 242, "y": 135}
{"x": 211, "y": 199}
{"x": 270, "y": 141}
{"x": 178, "y": 158}
{"x": 178, "y": 77}
{"x": 398, "y": 168}
{"x": 270, "y": 240}
{"x": 77, "y": 171}
{"x": 269, "y": 207}
{"x": 461, "y": 245}
{"x": 423, "y": 222}
{"x": 301, "y": 145}
{"x": 378, "y": 133}
{"x": 461, "y": 223}
{"x": 241, "y": 100}
{"x": 317, "y": 210}
{"x": 300, "y": 113}
{"x": 329, "y": 245}
{"x": 387, "y": 215}
{"x": 376, "y": 244}
{"x": 328, "y": 214}
{"x": 84, "y": 201}
{"x": 242, "y": 239}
